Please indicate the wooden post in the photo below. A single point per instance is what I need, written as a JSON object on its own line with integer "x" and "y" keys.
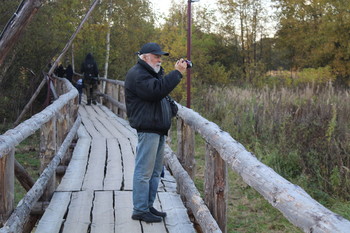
{"x": 109, "y": 87}
{"x": 48, "y": 150}
{"x": 62, "y": 128}
{"x": 185, "y": 147}
{"x": 121, "y": 98}
{"x": 215, "y": 183}
{"x": 115, "y": 94}
{"x": 7, "y": 181}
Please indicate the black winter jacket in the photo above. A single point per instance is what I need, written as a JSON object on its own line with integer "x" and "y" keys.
{"x": 145, "y": 92}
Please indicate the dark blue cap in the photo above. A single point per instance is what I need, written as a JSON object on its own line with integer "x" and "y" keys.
{"x": 153, "y": 48}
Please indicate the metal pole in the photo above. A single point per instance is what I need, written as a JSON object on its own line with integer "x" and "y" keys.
{"x": 189, "y": 45}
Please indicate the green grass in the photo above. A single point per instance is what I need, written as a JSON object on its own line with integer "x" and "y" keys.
{"x": 247, "y": 210}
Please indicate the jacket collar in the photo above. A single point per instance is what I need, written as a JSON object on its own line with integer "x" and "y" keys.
{"x": 150, "y": 69}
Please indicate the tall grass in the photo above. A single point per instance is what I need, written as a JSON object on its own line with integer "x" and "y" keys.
{"x": 302, "y": 133}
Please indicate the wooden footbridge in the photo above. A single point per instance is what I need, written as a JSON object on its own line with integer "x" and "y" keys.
{"x": 94, "y": 194}
{"x": 87, "y": 156}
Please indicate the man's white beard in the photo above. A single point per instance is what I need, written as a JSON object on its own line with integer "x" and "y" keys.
{"x": 156, "y": 67}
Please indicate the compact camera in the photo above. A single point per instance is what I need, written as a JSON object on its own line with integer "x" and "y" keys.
{"x": 189, "y": 64}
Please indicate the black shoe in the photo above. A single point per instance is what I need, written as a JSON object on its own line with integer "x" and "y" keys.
{"x": 89, "y": 102}
{"x": 146, "y": 217}
{"x": 157, "y": 213}
{"x": 94, "y": 102}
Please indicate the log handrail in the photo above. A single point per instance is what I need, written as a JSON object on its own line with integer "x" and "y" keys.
{"x": 291, "y": 200}
{"x": 59, "y": 116}
{"x": 15, "y": 136}
{"x": 65, "y": 105}
{"x": 22, "y": 211}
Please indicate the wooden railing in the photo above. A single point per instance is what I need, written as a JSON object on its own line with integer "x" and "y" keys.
{"x": 222, "y": 152}
{"x": 58, "y": 124}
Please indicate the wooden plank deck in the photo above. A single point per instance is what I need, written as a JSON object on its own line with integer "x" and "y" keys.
{"x": 95, "y": 194}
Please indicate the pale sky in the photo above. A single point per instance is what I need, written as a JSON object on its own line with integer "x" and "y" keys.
{"x": 164, "y": 5}
{"x": 161, "y": 8}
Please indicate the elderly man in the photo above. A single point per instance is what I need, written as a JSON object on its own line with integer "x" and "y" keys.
{"x": 149, "y": 112}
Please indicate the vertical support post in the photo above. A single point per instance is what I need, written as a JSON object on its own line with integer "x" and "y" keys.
{"x": 185, "y": 147}
{"x": 215, "y": 193}
{"x": 7, "y": 180}
{"x": 109, "y": 91}
{"x": 121, "y": 99}
{"x": 63, "y": 126}
{"x": 48, "y": 148}
{"x": 115, "y": 95}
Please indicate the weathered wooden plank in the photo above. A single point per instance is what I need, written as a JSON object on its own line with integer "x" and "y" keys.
{"x": 127, "y": 153}
{"x": 114, "y": 172}
{"x": 107, "y": 111}
{"x": 91, "y": 111}
{"x": 122, "y": 128}
{"x": 128, "y": 163}
{"x": 78, "y": 218}
{"x": 126, "y": 129}
{"x": 168, "y": 182}
{"x": 53, "y": 217}
{"x": 158, "y": 227}
{"x": 75, "y": 173}
{"x": 103, "y": 212}
{"x": 97, "y": 115}
{"x": 98, "y": 110}
{"x": 177, "y": 219}
{"x": 94, "y": 176}
{"x": 90, "y": 128}
{"x": 123, "y": 212}
{"x": 105, "y": 132}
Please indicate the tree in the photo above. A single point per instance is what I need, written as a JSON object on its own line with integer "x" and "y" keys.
{"x": 244, "y": 24}
{"x": 315, "y": 33}
{"x": 51, "y": 29}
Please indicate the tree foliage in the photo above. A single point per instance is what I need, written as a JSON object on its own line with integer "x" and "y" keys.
{"x": 315, "y": 34}
{"x": 237, "y": 48}
{"x": 131, "y": 25}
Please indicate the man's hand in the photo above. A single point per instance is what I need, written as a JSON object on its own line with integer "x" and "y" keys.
{"x": 181, "y": 66}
